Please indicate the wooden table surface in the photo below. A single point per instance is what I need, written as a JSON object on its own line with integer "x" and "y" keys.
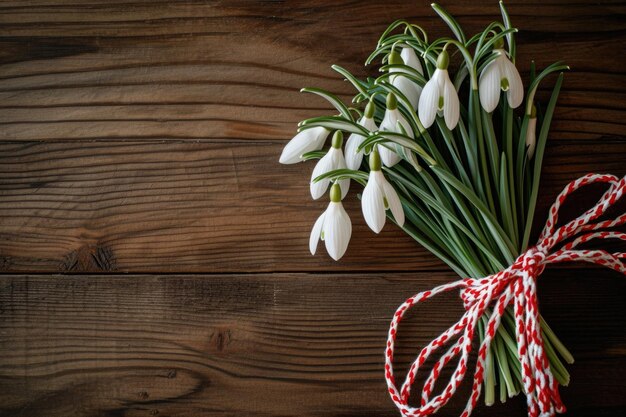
{"x": 154, "y": 253}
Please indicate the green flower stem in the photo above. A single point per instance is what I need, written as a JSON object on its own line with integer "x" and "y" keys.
{"x": 556, "y": 366}
{"x": 506, "y": 215}
{"x": 454, "y": 152}
{"x": 492, "y": 145}
{"x": 466, "y": 250}
{"x": 523, "y": 180}
{"x": 539, "y": 149}
{"x": 490, "y": 375}
{"x": 560, "y": 347}
{"x": 444, "y": 212}
{"x": 507, "y": 123}
{"x": 475, "y": 120}
{"x": 503, "y": 363}
{"x": 471, "y": 156}
{"x": 503, "y": 388}
{"x": 506, "y": 247}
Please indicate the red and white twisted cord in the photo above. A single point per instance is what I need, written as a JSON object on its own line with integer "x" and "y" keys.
{"x": 515, "y": 285}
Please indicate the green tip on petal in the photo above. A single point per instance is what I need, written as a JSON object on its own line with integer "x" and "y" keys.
{"x": 504, "y": 84}
{"x": 370, "y": 109}
{"x": 395, "y": 58}
{"x": 335, "y": 193}
{"x": 443, "y": 60}
{"x": 392, "y": 101}
{"x": 375, "y": 163}
{"x": 337, "y": 140}
{"x": 533, "y": 112}
{"x": 499, "y": 44}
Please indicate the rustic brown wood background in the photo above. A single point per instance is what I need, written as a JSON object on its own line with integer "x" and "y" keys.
{"x": 154, "y": 253}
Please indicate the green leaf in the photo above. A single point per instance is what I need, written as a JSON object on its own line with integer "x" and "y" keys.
{"x": 334, "y": 123}
{"x": 506, "y": 246}
{"x": 444, "y": 212}
{"x": 405, "y": 70}
{"x": 400, "y": 139}
{"x": 358, "y": 84}
{"x": 332, "y": 99}
{"x": 450, "y": 21}
{"x": 488, "y": 46}
{"x": 313, "y": 155}
{"x": 489, "y": 30}
{"x": 510, "y": 37}
{"x": 505, "y": 199}
{"x": 341, "y": 174}
{"x": 539, "y": 151}
{"x": 530, "y": 96}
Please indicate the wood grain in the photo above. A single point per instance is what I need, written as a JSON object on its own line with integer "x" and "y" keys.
{"x": 142, "y": 136}
{"x": 196, "y": 70}
{"x": 202, "y": 207}
{"x": 263, "y": 345}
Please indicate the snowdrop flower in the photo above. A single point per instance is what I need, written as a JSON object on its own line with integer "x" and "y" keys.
{"x": 500, "y": 74}
{"x": 390, "y": 122}
{"x": 439, "y": 96}
{"x": 378, "y": 196}
{"x": 406, "y": 86}
{"x": 307, "y": 140}
{"x": 331, "y": 161}
{"x": 531, "y": 132}
{"x": 333, "y": 227}
{"x": 352, "y": 155}
{"x": 410, "y": 58}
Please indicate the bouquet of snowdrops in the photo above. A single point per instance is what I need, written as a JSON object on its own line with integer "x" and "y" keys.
{"x": 445, "y": 155}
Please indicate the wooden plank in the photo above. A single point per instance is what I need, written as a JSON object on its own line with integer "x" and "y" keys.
{"x": 264, "y": 345}
{"x": 204, "y": 207}
{"x": 190, "y": 70}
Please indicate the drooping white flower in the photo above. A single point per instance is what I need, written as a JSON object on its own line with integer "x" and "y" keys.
{"x": 407, "y": 87}
{"x": 531, "y": 133}
{"x": 333, "y": 160}
{"x": 333, "y": 227}
{"x": 352, "y": 155}
{"x": 439, "y": 96}
{"x": 390, "y": 122}
{"x": 410, "y": 58}
{"x": 500, "y": 74}
{"x": 378, "y": 196}
{"x": 307, "y": 140}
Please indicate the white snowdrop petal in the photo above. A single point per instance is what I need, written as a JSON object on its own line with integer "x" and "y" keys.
{"x": 410, "y": 58}
{"x": 354, "y": 158}
{"x": 394, "y": 202}
{"x": 387, "y": 156}
{"x": 489, "y": 86}
{"x": 450, "y": 105}
{"x": 323, "y": 166}
{"x": 372, "y": 204}
{"x": 515, "y": 95}
{"x": 428, "y": 102}
{"x": 408, "y": 88}
{"x": 388, "y": 124}
{"x": 316, "y": 233}
{"x": 345, "y": 186}
{"x": 337, "y": 230}
{"x": 306, "y": 141}
{"x": 369, "y": 124}
{"x": 405, "y": 125}
{"x": 339, "y": 162}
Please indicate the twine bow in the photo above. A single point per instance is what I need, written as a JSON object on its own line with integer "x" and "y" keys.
{"x": 517, "y": 285}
